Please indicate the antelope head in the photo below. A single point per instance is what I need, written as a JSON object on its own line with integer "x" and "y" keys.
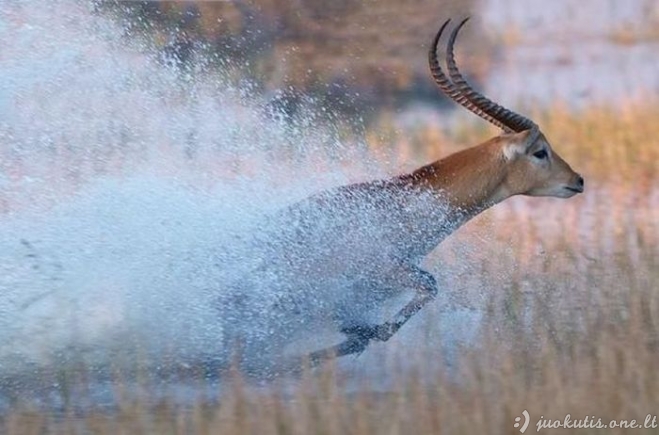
{"x": 526, "y": 162}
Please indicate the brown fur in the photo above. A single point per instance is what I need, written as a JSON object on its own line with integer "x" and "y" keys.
{"x": 479, "y": 177}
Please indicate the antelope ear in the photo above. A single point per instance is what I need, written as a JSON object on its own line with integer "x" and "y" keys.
{"x": 519, "y": 143}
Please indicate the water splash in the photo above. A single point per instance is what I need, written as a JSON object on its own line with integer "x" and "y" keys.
{"x": 123, "y": 183}
{"x": 131, "y": 193}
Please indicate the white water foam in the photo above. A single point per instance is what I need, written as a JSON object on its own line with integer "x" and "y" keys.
{"x": 131, "y": 191}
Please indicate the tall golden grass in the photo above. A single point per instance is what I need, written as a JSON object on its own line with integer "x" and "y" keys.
{"x": 569, "y": 292}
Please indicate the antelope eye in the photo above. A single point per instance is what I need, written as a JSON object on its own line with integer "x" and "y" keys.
{"x": 542, "y": 154}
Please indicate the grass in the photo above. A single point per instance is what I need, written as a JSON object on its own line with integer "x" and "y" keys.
{"x": 630, "y": 34}
{"x": 569, "y": 292}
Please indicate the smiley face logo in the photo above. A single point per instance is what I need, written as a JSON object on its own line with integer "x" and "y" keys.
{"x": 525, "y": 424}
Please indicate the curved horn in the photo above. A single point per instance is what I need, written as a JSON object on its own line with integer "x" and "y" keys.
{"x": 449, "y": 89}
{"x": 510, "y": 119}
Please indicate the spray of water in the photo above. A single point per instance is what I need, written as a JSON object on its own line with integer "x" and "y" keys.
{"x": 137, "y": 201}
{"x": 130, "y": 189}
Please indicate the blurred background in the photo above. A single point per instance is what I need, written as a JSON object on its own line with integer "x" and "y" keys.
{"x": 141, "y": 143}
{"x": 370, "y": 56}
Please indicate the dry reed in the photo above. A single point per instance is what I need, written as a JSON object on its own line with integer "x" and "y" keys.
{"x": 569, "y": 292}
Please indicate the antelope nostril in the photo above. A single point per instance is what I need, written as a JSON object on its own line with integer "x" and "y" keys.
{"x": 580, "y": 181}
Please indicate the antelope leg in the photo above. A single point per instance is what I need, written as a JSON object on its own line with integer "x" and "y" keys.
{"x": 360, "y": 336}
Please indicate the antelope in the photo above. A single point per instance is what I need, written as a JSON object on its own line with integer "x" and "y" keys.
{"x": 373, "y": 235}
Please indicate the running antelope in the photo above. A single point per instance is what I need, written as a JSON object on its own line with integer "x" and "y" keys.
{"x": 368, "y": 239}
